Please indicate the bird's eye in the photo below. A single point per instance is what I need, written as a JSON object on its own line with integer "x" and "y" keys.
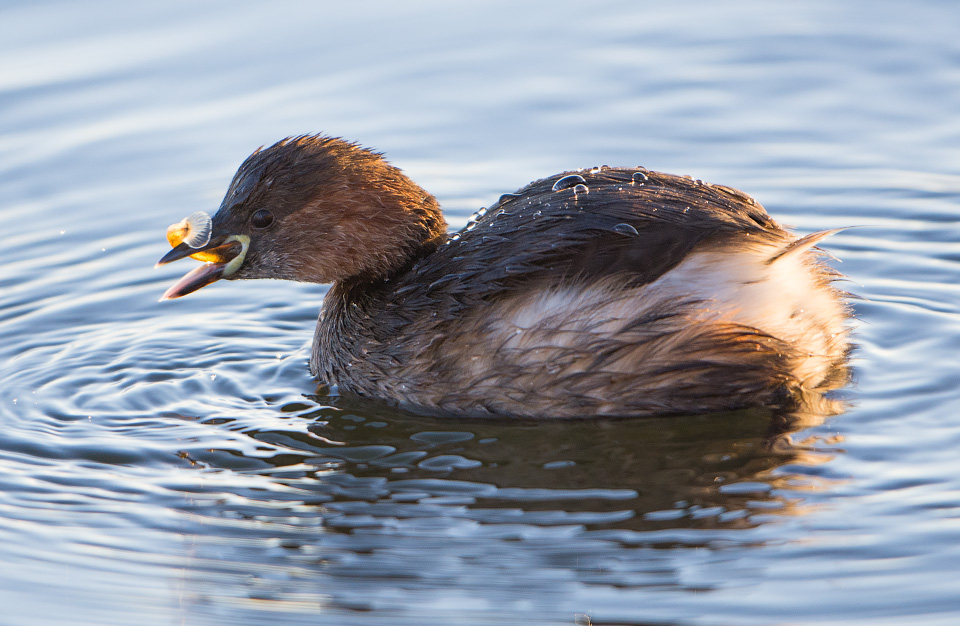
{"x": 262, "y": 218}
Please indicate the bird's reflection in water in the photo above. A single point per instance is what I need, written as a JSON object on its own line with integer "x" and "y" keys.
{"x": 369, "y": 509}
{"x": 704, "y": 471}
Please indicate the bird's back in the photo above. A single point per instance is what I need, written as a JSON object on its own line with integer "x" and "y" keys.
{"x": 610, "y": 291}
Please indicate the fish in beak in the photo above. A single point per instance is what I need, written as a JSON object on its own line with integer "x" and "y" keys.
{"x": 192, "y": 237}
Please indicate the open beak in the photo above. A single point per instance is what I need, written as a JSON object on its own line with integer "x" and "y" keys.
{"x": 223, "y": 256}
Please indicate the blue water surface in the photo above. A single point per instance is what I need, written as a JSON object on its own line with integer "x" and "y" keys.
{"x": 174, "y": 463}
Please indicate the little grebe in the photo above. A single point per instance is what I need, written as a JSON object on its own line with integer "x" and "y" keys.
{"x": 602, "y": 292}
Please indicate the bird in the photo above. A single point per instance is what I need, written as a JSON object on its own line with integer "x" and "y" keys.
{"x": 598, "y": 292}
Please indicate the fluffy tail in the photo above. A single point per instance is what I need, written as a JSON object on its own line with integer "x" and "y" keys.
{"x": 802, "y": 244}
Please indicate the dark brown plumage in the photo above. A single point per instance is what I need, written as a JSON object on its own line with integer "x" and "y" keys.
{"x": 611, "y": 291}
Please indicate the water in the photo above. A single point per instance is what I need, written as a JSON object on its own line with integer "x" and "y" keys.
{"x": 175, "y": 464}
